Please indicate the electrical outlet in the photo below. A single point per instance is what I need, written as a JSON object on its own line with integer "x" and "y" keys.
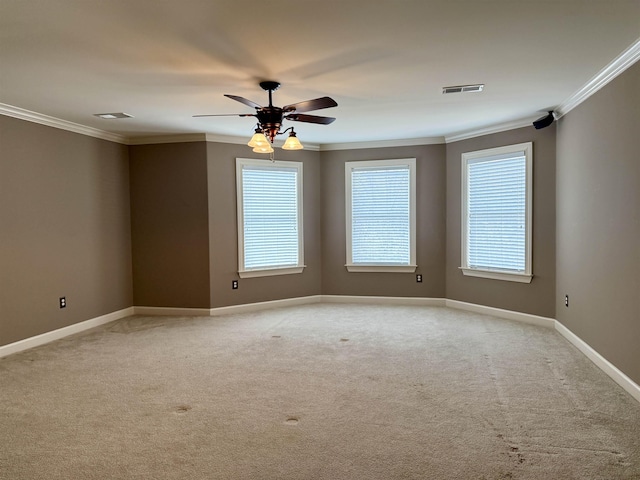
{"x": 234, "y": 284}
{"x": 566, "y": 300}
{"x": 63, "y": 302}
{"x": 419, "y": 278}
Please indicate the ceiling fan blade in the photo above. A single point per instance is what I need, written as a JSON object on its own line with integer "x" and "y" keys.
{"x": 309, "y": 105}
{"x": 243, "y": 100}
{"x": 226, "y": 115}
{"x": 296, "y": 117}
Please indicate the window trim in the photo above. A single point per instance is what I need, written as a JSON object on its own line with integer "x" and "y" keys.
{"x": 498, "y": 274}
{"x": 373, "y": 267}
{"x": 268, "y": 271}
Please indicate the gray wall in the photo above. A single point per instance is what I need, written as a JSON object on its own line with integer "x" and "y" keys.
{"x": 598, "y": 233}
{"x": 170, "y": 233}
{"x": 64, "y": 228}
{"x": 430, "y": 219}
{"x": 223, "y": 231}
{"x": 537, "y": 297}
{"x": 184, "y": 232}
{"x": 78, "y": 214}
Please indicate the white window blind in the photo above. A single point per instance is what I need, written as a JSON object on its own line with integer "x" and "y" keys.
{"x": 269, "y": 216}
{"x": 497, "y": 219}
{"x": 497, "y": 213}
{"x": 381, "y": 214}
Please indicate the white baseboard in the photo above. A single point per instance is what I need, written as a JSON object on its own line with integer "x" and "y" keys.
{"x": 254, "y": 307}
{"x": 172, "y": 311}
{"x": 372, "y": 300}
{"x": 506, "y": 314}
{"x": 602, "y": 363}
{"x": 47, "y": 337}
{"x": 605, "y": 365}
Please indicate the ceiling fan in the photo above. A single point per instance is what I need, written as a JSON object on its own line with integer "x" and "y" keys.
{"x": 270, "y": 118}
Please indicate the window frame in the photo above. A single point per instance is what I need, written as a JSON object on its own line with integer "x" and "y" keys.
{"x": 276, "y": 270}
{"x": 372, "y": 267}
{"x": 497, "y": 273}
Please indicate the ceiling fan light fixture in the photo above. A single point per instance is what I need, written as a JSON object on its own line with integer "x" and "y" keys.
{"x": 292, "y": 142}
{"x": 267, "y": 148}
{"x": 270, "y": 118}
{"x": 258, "y": 139}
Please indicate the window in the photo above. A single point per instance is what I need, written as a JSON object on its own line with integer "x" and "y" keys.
{"x": 269, "y": 217}
{"x": 497, "y": 212}
{"x": 381, "y": 215}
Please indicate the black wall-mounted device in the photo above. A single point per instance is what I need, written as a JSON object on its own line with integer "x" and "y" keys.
{"x": 545, "y": 121}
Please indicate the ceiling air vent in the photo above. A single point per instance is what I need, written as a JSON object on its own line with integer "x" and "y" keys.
{"x": 463, "y": 88}
{"x": 110, "y": 116}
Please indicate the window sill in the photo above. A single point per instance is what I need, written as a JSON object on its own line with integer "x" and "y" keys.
{"x": 497, "y": 275}
{"x": 270, "y": 272}
{"x": 382, "y": 268}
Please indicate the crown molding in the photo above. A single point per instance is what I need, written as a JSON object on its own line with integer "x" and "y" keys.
{"x": 503, "y": 127}
{"x": 178, "y": 138}
{"x": 234, "y": 139}
{"x": 198, "y": 137}
{"x": 621, "y": 63}
{"x": 28, "y": 115}
{"x": 407, "y": 142}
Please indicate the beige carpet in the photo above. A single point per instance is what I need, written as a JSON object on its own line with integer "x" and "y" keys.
{"x": 315, "y": 392}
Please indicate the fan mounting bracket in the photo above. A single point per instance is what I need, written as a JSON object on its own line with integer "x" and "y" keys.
{"x": 270, "y": 85}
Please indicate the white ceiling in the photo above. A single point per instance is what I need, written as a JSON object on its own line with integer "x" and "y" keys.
{"x": 384, "y": 62}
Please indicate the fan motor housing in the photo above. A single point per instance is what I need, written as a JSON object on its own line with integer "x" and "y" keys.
{"x": 270, "y": 119}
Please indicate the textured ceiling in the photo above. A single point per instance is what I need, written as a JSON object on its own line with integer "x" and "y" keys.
{"x": 384, "y": 62}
